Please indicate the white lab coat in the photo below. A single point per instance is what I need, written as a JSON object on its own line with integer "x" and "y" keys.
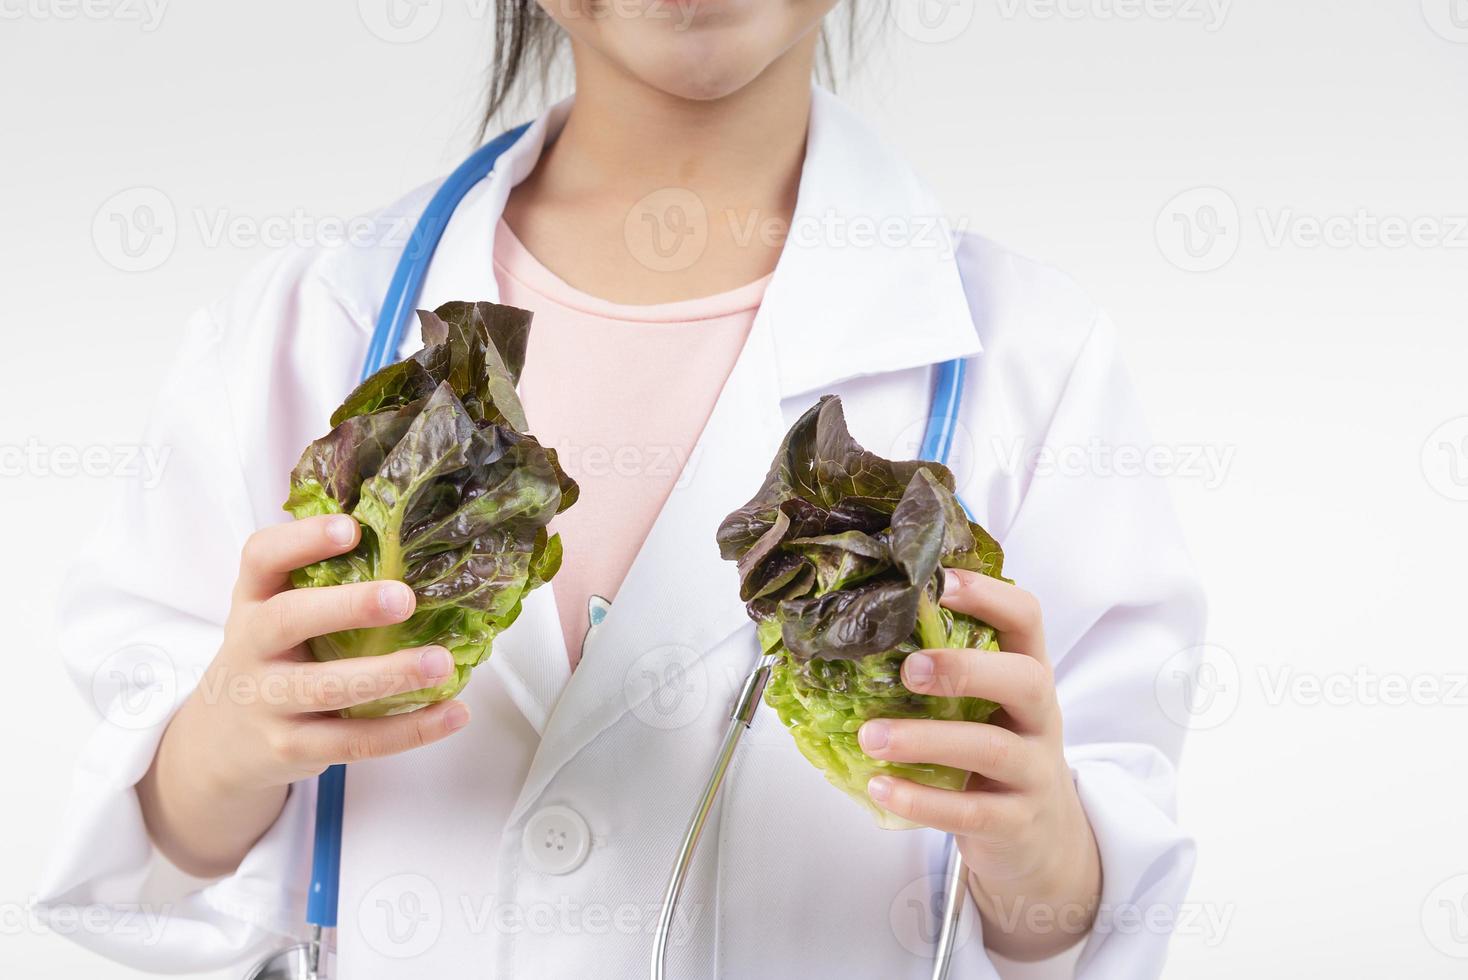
{"x": 793, "y": 879}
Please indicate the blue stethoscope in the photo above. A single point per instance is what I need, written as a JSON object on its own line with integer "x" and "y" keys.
{"x": 397, "y": 308}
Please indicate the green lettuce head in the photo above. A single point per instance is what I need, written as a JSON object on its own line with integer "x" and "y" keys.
{"x": 432, "y": 458}
{"x": 841, "y": 557}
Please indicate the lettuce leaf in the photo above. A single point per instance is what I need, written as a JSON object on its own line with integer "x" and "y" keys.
{"x": 431, "y": 456}
{"x": 841, "y": 556}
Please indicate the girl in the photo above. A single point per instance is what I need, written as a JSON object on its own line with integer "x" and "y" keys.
{"x": 689, "y": 232}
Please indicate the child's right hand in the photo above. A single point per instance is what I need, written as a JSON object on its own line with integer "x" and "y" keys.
{"x": 265, "y": 715}
{"x": 281, "y": 725}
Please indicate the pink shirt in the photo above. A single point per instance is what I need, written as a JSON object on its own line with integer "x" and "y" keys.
{"x": 622, "y": 394}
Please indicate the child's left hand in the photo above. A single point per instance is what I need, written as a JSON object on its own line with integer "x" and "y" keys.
{"x": 1020, "y": 826}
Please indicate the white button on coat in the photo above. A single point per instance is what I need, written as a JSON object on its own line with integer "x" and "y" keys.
{"x": 556, "y": 840}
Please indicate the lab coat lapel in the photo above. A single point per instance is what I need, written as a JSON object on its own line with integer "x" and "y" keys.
{"x": 867, "y": 284}
{"x": 868, "y": 280}
{"x": 680, "y": 599}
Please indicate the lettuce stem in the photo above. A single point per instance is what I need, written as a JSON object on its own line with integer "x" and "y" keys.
{"x": 390, "y": 565}
{"x": 932, "y": 634}
{"x": 392, "y": 557}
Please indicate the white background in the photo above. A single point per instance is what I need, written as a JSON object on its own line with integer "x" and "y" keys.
{"x": 1332, "y": 542}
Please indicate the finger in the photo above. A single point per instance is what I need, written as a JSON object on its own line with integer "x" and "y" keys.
{"x": 345, "y": 683}
{"x": 1022, "y": 684}
{"x": 984, "y": 749}
{"x": 970, "y": 813}
{"x": 272, "y": 553}
{"x": 336, "y": 740}
{"x": 288, "y": 619}
{"x": 1011, "y": 610}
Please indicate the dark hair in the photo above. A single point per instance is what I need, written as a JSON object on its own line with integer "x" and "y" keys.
{"x": 526, "y": 41}
{"x": 524, "y": 38}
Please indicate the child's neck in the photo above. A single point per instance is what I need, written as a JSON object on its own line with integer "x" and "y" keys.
{"x": 636, "y": 170}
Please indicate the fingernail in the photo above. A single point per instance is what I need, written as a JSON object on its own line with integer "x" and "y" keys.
{"x": 436, "y": 663}
{"x": 951, "y": 582}
{"x": 340, "y": 531}
{"x": 395, "y": 598}
{"x": 873, "y": 735}
{"x": 456, "y": 717}
{"x": 917, "y": 669}
{"x": 879, "y": 788}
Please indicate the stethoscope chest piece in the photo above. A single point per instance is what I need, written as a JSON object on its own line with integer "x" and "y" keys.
{"x": 291, "y": 963}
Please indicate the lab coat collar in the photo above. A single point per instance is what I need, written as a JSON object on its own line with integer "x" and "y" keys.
{"x": 867, "y": 281}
